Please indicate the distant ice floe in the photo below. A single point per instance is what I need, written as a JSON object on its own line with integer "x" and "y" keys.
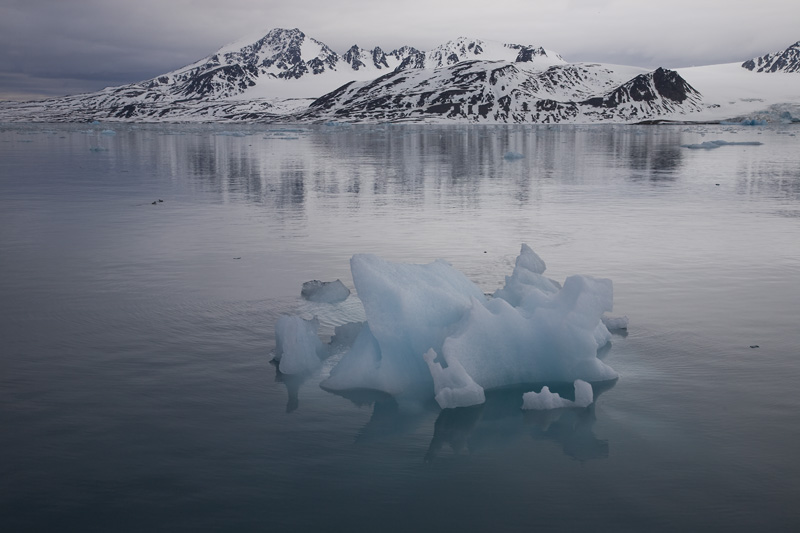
{"x": 745, "y": 122}
{"x": 551, "y": 400}
{"x": 325, "y": 291}
{"x": 432, "y": 333}
{"x": 512, "y": 156}
{"x": 710, "y": 145}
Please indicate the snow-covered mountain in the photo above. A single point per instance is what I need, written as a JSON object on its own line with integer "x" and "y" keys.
{"x": 495, "y": 91}
{"x": 784, "y": 61}
{"x": 285, "y": 75}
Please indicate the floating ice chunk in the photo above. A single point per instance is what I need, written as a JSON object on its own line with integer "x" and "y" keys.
{"x": 453, "y": 387}
{"x": 710, "y": 145}
{"x": 409, "y": 309}
{"x": 298, "y": 347}
{"x": 534, "y": 330}
{"x": 511, "y": 156}
{"x": 325, "y": 291}
{"x": 108, "y": 132}
{"x": 615, "y": 322}
{"x": 551, "y": 400}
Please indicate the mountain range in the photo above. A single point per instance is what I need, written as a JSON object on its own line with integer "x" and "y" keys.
{"x": 287, "y": 76}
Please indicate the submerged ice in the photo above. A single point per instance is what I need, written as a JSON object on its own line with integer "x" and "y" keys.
{"x": 430, "y": 331}
{"x": 325, "y": 291}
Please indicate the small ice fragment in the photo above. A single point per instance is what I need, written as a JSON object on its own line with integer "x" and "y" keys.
{"x": 452, "y": 385}
{"x": 298, "y": 347}
{"x": 325, "y": 291}
{"x": 710, "y": 145}
{"x": 615, "y": 322}
{"x": 551, "y": 400}
{"x": 511, "y": 156}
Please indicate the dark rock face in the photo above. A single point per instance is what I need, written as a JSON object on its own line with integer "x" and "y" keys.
{"x": 379, "y": 58}
{"x": 240, "y": 77}
{"x": 785, "y": 61}
{"x": 476, "y": 91}
{"x": 670, "y": 85}
{"x": 415, "y": 59}
{"x": 659, "y": 84}
{"x": 352, "y": 58}
{"x": 527, "y": 53}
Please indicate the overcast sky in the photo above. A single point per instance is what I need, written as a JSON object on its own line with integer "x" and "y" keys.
{"x": 59, "y": 47}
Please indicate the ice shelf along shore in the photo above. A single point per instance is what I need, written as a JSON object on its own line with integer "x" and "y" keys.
{"x": 430, "y": 331}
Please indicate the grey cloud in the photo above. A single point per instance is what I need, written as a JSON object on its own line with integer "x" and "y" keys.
{"x": 93, "y": 43}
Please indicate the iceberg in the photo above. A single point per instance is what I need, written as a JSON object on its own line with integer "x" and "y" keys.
{"x": 325, "y": 291}
{"x": 298, "y": 347}
{"x": 551, "y": 400}
{"x": 431, "y": 331}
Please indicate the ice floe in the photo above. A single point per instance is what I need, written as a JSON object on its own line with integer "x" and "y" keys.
{"x": 710, "y": 145}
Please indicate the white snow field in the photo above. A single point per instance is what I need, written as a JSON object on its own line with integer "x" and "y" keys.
{"x": 729, "y": 90}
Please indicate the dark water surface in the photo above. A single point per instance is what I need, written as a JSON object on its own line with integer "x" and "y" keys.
{"x": 136, "y": 392}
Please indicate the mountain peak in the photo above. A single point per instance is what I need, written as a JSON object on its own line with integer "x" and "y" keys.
{"x": 787, "y": 60}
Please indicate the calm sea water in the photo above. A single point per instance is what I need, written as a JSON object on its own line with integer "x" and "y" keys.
{"x": 136, "y": 392}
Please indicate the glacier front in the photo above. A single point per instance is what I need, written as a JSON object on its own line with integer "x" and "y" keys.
{"x": 431, "y": 332}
